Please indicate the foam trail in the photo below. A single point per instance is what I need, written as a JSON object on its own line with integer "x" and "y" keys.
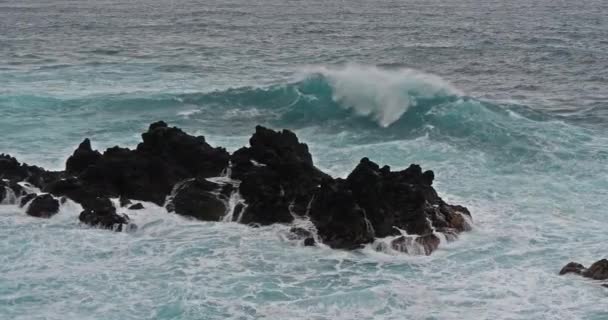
{"x": 381, "y": 93}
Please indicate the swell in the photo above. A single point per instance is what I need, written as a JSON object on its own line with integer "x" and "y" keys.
{"x": 362, "y": 104}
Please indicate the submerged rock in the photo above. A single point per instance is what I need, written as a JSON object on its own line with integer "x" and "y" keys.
{"x": 101, "y": 213}
{"x": 26, "y": 199}
{"x": 83, "y": 157}
{"x": 43, "y": 206}
{"x": 597, "y": 271}
{"x": 572, "y": 267}
{"x": 425, "y": 244}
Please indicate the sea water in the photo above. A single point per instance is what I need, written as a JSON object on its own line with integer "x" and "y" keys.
{"x": 507, "y": 101}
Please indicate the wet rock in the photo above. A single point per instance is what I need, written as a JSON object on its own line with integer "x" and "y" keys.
{"x": 43, "y": 206}
{"x": 12, "y": 172}
{"x": 572, "y": 267}
{"x": 275, "y": 176}
{"x": 425, "y": 244}
{"x": 83, "y": 157}
{"x": 299, "y": 233}
{"x": 309, "y": 242}
{"x": 597, "y": 271}
{"x": 10, "y": 191}
{"x": 340, "y": 221}
{"x": 187, "y": 156}
{"x": 200, "y": 199}
{"x": 101, "y": 213}
{"x": 278, "y": 176}
{"x": 26, "y": 198}
{"x": 402, "y": 199}
{"x": 124, "y": 201}
{"x": 137, "y": 206}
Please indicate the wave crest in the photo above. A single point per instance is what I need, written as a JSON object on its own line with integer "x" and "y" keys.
{"x": 383, "y": 94}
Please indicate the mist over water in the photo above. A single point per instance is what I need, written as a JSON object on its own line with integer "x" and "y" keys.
{"x": 506, "y": 102}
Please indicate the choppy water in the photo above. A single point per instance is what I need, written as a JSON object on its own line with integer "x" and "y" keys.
{"x": 506, "y": 100}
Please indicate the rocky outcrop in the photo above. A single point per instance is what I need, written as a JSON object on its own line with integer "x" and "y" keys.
{"x": 166, "y": 156}
{"x": 274, "y": 175}
{"x": 43, "y": 206}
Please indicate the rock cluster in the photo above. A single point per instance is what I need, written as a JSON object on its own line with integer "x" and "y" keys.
{"x": 274, "y": 175}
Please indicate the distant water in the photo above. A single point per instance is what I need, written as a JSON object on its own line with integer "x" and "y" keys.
{"x": 507, "y": 101}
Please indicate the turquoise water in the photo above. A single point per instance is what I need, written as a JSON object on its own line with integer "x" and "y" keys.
{"x": 505, "y": 101}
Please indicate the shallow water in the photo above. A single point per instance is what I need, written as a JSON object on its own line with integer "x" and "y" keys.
{"x": 505, "y": 101}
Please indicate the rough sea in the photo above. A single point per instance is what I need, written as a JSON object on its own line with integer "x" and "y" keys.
{"x": 507, "y": 101}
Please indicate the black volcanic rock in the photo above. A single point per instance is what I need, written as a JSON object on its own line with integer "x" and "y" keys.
{"x": 187, "y": 156}
{"x": 43, "y": 206}
{"x": 11, "y": 172}
{"x": 101, "y": 213}
{"x": 26, "y": 198}
{"x": 403, "y": 199}
{"x": 274, "y": 175}
{"x": 278, "y": 176}
{"x": 341, "y": 223}
{"x": 200, "y": 199}
{"x": 137, "y": 206}
{"x": 83, "y": 157}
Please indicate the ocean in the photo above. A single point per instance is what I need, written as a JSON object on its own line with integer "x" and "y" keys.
{"x": 506, "y": 101}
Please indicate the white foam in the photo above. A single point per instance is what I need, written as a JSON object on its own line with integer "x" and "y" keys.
{"x": 381, "y": 93}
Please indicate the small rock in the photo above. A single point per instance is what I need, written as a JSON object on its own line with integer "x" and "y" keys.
{"x": 597, "y": 271}
{"x": 137, "y": 206}
{"x": 572, "y": 267}
{"x": 43, "y": 206}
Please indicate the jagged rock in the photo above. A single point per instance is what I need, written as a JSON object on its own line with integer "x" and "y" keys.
{"x": 572, "y": 267}
{"x": 200, "y": 199}
{"x": 10, "y": 191}
{"x": 425, "y": 244}
{"x": 74, "y": 189}
{"x": 187, "y": 156}
{"x": 402, "y": 199}
{"x": 101, "y": 213}
{"x": 43, "y": 206}
{"x": 11, "y": 171}
{"x": 83, "y": 157}
{"x": 340, "y": 221}
{"x": 278, "y": 176}
{"x": 137, "y": 206}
